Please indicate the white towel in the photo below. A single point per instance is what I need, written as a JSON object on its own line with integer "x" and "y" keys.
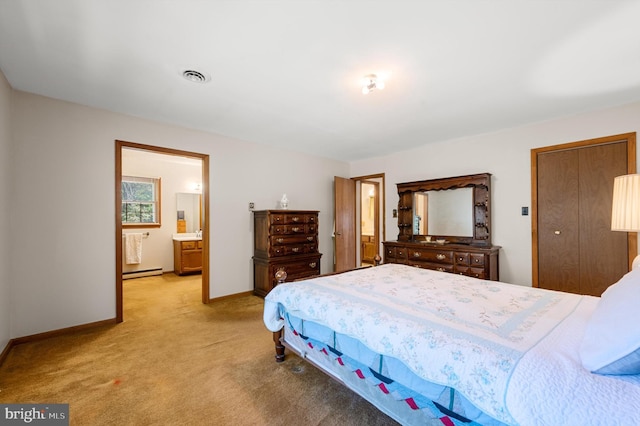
{"x": 133, "y": 248}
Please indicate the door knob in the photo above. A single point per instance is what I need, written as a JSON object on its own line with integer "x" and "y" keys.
{"x": 556, "y": 232}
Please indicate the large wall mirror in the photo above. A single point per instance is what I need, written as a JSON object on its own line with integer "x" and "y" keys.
{"x": 455, "y": 209}
{"x": 189, "y": 216}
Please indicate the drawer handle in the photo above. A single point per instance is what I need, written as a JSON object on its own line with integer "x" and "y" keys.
{"x": 312, "y": 264}
{"x": 440, "y": 256}
{"x": 295, "y": 229}
{"x": 477, "y": 260}
{"x": 309, "y": 238}
{"x": 277, "y": 219}
{"x": 281, "y": 275}
{"x": 295, "y": 249}
{"x": 416, "y": 254}
{"x": 295, "y": 219}
{"x": 462, "y": 258}
{"x": 279, "y": 240}
{"x": 440, "y": 269}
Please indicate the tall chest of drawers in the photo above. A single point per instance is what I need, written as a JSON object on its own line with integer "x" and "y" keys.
{"x": 284, "y": 240}
{"x": 478, "y": 262}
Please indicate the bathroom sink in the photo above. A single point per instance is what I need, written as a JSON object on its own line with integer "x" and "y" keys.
{"x": 190, "y": 236}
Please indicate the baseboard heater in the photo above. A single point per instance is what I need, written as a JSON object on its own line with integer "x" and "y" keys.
{"x": 141, "y": 273}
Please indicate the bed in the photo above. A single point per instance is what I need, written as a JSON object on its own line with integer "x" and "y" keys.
{"x": 426, "y": 346}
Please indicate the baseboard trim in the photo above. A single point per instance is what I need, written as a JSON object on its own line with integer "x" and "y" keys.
{"x": 52, "y": 333}
{"x": 231, "y": 296}
{"x": 82, "y": 327}
{"x": 5, "y": 352}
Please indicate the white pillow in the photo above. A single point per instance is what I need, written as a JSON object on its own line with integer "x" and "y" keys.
{"x": 611, "y": 344}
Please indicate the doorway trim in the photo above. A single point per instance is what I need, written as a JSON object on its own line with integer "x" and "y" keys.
{"x": 381, "y": 207}
{"x": 119, "y": 145}
{"x": 632, "y": 237}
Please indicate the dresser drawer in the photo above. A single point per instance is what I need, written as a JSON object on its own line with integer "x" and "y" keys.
{"x": 293, "y": 218}
{"x": 295, "y": 249}
{"x": 478, "y": 262}
{"x": 293, "y": 229}
{"x": 280, "y": 240}
{"x": 471, "y": 271}
{"x": 430, "y": 255}
{"x": 300, "y": 269}
{"x": 461, "y": 258}
{"x": 442, "y": 267}
{"x": 394, "y": 254}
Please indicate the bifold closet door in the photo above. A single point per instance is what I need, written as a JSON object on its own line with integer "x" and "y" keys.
{"x": 577, "y": 251}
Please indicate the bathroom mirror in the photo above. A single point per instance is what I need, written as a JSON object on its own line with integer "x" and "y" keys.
{"x": 455, "y": 209}
{"x": 188, "y": 207}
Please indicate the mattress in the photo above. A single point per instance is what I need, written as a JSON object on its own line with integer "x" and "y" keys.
{"x": 385, "y": 382}
{"x": 509, "y": 353}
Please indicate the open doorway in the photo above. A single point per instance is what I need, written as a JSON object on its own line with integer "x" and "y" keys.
{"x": 369, "y": 222}
{"x": 348, "y": 220}
{"x": 167, "y": 222}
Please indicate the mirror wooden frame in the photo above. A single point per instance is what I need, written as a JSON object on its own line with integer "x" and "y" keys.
{"x": 481, "y": 185}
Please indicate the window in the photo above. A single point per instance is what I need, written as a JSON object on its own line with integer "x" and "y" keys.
{"x": 140, "y": 201}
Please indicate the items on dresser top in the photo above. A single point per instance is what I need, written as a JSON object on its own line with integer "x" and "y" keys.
{"x": 284, "y": 240}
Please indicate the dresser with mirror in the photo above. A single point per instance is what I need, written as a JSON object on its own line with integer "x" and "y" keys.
{"x": 445, "y": 224}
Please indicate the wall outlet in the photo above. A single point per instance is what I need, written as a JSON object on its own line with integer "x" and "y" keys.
{"x": 395, "y": 213}
{"x": 251, "y": 206}
{"x": 525, "y": 211}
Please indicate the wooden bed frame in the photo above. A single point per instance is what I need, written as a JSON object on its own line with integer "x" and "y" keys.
{"x": 390, "y": 410}
{"x": 280, "y": 277}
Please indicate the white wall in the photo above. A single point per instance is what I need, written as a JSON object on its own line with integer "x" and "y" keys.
{"x": 507, "y": 155}
{"x": 63, "y": 256}
{"x": 5, "y": 176}
{"x": 62, "y": 231}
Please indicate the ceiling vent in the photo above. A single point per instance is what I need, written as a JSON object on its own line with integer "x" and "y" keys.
{"x": 195, "y": 76}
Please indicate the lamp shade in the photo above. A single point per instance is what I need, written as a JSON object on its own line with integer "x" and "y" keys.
{"x": 625, "y": 212}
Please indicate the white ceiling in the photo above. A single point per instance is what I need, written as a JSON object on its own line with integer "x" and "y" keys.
{"x": 287, "y": 73}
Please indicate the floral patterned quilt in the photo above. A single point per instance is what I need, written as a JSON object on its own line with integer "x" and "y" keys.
{"x": 448, "y": 329}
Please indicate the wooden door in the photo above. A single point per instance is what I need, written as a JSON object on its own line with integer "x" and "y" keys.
{"x": 558, "y": 214}
{"x": 574, "y": 248}
{"x": 345, "y": 224}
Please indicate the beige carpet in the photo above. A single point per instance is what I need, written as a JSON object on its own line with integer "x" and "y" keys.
{"x": 177, "y": 361}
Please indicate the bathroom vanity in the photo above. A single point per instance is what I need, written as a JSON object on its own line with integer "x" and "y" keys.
{"x": 187, "y": 254}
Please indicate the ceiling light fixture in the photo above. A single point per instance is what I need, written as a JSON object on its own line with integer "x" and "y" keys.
{"x": 195, "y": 76}
{"x": 371, "y": 82}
